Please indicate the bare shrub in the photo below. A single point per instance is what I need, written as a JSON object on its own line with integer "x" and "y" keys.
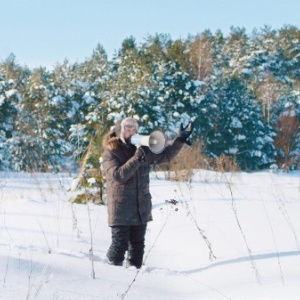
{"x": 225, "y": 163}
{"x": 287, "y": 130}
{"x": 182, "y": 166}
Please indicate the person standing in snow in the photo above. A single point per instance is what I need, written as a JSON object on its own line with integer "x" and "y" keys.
{"x": 128, "y": 198}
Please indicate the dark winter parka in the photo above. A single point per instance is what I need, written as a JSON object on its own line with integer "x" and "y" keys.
{"x": 127, "y": 179}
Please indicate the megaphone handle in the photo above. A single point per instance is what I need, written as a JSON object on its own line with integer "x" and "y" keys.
{"x": 143, "y": 155}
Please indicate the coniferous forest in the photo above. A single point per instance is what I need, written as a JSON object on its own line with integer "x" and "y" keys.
{"x": 241, "y": 90}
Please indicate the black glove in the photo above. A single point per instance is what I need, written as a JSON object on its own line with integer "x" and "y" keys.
{"x": 140, "y": 154}
{"x": 185, "y": 132}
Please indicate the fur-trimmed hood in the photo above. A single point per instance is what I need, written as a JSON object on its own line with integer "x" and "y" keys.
{"x": 110, "y": 141}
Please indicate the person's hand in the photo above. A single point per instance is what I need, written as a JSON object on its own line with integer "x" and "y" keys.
{"x": 185, "y": 132}
{"x": 140, "y": 154}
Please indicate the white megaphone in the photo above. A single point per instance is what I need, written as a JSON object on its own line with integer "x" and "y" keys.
{"x": 156, "y": 141}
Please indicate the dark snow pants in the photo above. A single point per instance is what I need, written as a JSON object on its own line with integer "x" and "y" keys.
{"x": 127, "y": 238}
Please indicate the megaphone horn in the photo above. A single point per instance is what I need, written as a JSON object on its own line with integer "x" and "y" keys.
{"x": 156, "y": 141}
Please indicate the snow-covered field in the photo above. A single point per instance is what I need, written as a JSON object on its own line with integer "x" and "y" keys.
{"x": 230, "y": 236}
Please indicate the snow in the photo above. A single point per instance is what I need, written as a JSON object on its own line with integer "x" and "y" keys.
{"x": 56, "y": 100}
{"x": 10, "y": 93}
{"x": 88, "y": 98}
{"x": 2, "y": 99}
{"x": 248, "y": 221}
{"x": 236, "y": 123}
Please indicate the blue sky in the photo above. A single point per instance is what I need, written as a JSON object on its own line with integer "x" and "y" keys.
{"x": 45, "y": 32}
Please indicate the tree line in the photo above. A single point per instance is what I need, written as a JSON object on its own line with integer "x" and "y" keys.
{"x": 241, "y": 90}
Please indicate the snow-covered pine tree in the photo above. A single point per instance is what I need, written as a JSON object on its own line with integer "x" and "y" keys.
{"x": 235, "y": 49}
{"x": 129, "y": 86}
{"x": 236, "y": 126}
{"x": 173, "y": 97}
{"x": 43, "y": 135}
{"x": 86, "y": 134}
{"x": 9, "y": 114}
{"x": 208, "y": 115}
